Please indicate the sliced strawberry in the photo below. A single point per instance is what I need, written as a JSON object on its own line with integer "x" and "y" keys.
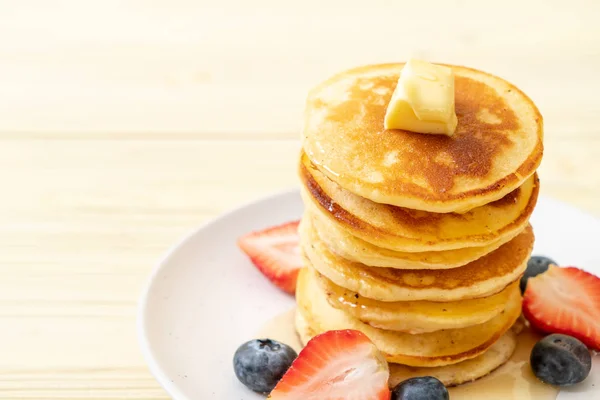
{"x": 276, "y": 253}
{"x": 565, "y": 300}
{"x": 336, "y": 365}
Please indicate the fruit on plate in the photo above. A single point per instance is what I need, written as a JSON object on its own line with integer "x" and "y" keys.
{"x": 421, "y": 388}
{"x": 336, "y": 365}
{"x": 276, "y": 253}
{"x": 259, "y": 364}
{"x": 560, "y": 360}
{"x": 535, "y": 266}
{"x": 565, "y": 300}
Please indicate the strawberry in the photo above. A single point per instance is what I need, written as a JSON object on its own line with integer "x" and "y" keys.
{"x": 276, "y": 253}
{"x": 336, "y": 365}
{"x": 565, "y": 300}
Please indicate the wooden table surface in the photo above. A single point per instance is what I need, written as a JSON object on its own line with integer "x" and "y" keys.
{"x": 126, "y": 124}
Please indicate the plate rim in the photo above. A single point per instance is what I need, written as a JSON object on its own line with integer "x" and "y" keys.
{"x": 143, "y": 343}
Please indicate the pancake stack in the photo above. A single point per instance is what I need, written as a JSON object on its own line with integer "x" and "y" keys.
{"x": 418, "y": 240}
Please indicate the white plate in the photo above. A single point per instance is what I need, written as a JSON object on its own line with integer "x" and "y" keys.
{"x": 205, "y": 299}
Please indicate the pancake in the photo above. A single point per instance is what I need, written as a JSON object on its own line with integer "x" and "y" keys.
{"x": 425, "y": 350}
{"x": 341, "y": 242}
{"x": 401, "y": 229}
{"x": 496, "y": 147}
{"x": 450, "y": 375}
{"x": 480, "y": 278}
{"x": 462, "y": 372}
{"x": 416, "y": 316}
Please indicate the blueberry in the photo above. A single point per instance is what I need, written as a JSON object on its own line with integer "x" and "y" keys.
{"x": 422, "y": 388}
{"x": 259, "y": 364}
{"x": 560, "y": 360}
{"x": 535, "y": 266}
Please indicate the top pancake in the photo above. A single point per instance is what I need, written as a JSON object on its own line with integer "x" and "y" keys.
{"x": 497, "y": 144}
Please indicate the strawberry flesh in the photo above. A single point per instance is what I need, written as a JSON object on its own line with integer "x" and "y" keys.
{"x": 275, "y": 252}
{"x": 336, "y": 365}
{"x": 565, "y": 300}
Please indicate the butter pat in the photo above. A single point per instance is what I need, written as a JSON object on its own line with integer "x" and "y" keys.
{"x": 423, "y": 100}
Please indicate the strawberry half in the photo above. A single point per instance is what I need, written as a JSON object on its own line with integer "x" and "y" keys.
{"x": 565, "y": 300}
{"x": 336, "y": 365}
{"x": 276, "y": 253}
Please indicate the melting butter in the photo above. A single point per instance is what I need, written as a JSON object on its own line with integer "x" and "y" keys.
{"x": 423, "y": 100}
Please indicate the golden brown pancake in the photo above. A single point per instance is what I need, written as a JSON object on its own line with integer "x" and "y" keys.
{"x": 401, "y": 229}
{"x": 449, "y": 375}
{"x": 483, "y": 277}
{"x": 416, "y": 316}
{"x": 428, "y": 349}
{"x": 348, "y": 246}
{"x": 496, "y": 147}
{"x": 462, "y": 372}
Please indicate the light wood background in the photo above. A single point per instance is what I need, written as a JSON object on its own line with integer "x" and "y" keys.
{"x": 125, "y": 124}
